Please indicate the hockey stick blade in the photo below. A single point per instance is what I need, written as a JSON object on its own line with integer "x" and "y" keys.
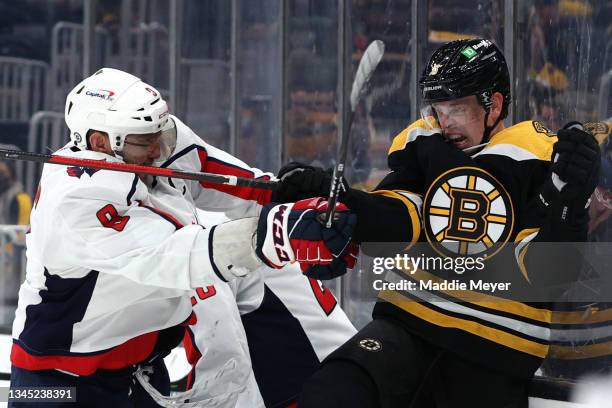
{"x": 369, "y": 61}
{"x": 367, "y": 65}
{"x": 133, "y": 168}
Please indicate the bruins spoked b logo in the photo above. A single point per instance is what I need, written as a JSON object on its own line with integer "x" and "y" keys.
{"x": 372, "y": 345}
{"x": 466, "y": 211}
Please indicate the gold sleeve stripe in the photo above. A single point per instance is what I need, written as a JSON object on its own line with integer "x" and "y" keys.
{"x": 582, "y": 317}
{"x": 416, "y": 129}
{"x": 521, "y": 309}
{"x": 581, "y": 352}
{"x": 525, "y": 233}
{"x": 522, "y": 240}
{"x": 521, "y": 262}
{"x": 399, "y": 141}
{"x": 413, "y": 211}
{"x": 439, "y": 319}
{"x": 25, "y": 207}
{"x": 489, "y": 301}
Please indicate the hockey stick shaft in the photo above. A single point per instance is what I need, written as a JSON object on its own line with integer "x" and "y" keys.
{"x": 133, "y": 168}
{"x": 369, "y": 61}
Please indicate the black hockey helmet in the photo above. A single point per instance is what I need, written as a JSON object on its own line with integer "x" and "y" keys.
{"x": 467, "y": 67}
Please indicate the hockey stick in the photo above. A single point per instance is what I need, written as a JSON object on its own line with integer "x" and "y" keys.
{"x": 133, "y": 168}
{"x": 369, "y": 61}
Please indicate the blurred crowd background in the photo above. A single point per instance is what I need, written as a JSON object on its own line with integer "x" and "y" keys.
{"x": 260, "y": 79}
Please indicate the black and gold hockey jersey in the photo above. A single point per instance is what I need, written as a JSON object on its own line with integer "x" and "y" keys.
{"x": 479, "y": 205}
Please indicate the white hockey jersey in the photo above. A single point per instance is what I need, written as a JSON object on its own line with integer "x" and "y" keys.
{"x": 291, "y": 322}
{"x": 106, "y": 270}
{"x": 191, "y": 153}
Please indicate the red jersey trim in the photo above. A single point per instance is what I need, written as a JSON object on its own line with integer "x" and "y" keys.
{"x": 131, "y": 352}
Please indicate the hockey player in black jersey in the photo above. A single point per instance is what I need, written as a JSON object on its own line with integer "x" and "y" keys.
{"x": 459, "y": 179}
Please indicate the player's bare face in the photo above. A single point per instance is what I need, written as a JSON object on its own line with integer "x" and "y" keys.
{"x": 461, "y": 120}
{"x": 142, "y": 150}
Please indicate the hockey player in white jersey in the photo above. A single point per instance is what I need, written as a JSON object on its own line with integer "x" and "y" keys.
{"x": 109, "y": 271}
{"x": 291, "y": 321}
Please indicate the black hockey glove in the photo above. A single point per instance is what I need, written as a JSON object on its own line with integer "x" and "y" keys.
{"x": 573, "y": 175}
{"x": 299, "y": 181}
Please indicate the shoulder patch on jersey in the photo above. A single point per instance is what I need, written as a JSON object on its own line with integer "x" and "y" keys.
{"x": 466, "y": 211}
{"x": 410, "y": 134}
{"x": 540, "y": 128}
{"x": 77, "y": 171}
{"x": 600, "y": 130}
{"x": 523, "y": 141}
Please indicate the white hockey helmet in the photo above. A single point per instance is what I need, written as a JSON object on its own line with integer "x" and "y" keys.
{"x": 114, "y": 102}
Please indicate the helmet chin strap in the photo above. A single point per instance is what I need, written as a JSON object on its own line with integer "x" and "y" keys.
{"x": 488, "y": 129}
{"x": 485, "y": 101}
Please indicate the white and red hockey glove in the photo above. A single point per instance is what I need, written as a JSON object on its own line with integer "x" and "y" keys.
{"x": 295, "y": 232}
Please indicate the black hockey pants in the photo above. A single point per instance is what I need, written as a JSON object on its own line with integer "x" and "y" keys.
{"x": 386, "y": 366}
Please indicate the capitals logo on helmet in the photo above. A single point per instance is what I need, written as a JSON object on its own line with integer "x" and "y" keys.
{"x": 466, "y": 211}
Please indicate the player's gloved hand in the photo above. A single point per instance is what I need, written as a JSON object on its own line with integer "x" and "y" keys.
{"x": 298, "y": 181}
{"x": 338, "y": 267}
{"x": 574, "y": 174}
{"x": 295, "y": 232}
